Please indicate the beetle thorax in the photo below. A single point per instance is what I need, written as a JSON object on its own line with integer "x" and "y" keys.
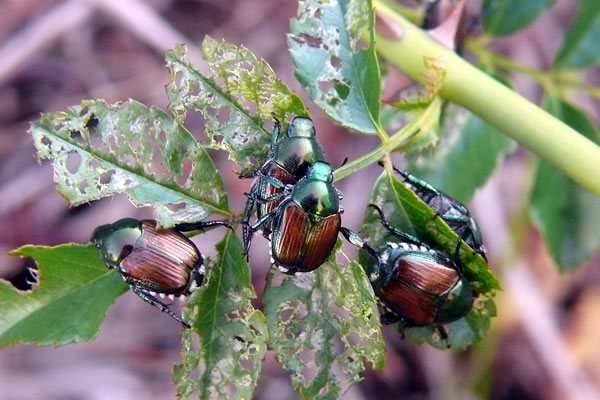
{"x": 297, "y": 154}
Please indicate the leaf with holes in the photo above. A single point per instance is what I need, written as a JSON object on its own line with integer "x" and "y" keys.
{"x": 241, "y": 93}
{"x": 100, "y": 150}
{"x": 324, "y": 327}
{"x": 232, "y": 333}
{"x": 69, "y": 301}
{"x": 339, "y": 70}
{"x": 404, "y": 210}
{"x": 567, "y": 215}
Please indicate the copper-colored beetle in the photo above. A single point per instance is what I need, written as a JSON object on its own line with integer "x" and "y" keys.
{"x": 153, "y": 262}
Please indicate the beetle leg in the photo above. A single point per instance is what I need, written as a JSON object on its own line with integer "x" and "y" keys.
{"x": 256, "y": 226}
{"x": 402, "y": 235}
{"x": 274, "y": 181}
{"x": 443, "y": 334}
{"x": 201, "y": 225}
{"x": 248, "y": 175}
{"x": 271, "y": 198}
{"x": 389, "y": 318}
{"x": 246, "y": 236}
{"x": 158, "y": 304}
{"x": 357, "y": 241}
{"x": 275, "y": 133}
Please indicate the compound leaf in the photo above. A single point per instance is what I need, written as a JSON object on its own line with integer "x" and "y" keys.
{"x": 232, "y": 333}
{"x": 100, "y": 150}
{"x": 339, "y": 70}
{"x": 69, "y": 301}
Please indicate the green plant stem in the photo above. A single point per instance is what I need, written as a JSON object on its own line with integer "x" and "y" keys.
{"x": 572, "y": 153}
{"x": 551, "y": 81}
{"x": 397, "y": 140}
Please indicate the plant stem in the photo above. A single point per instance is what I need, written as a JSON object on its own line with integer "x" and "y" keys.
{"x": 549, "y": 80}
{"x": 401, "y": 137}
{"x": 572, "y": 153}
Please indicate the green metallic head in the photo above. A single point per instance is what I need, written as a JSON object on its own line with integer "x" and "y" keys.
{"x": 112, "y": 239}
{"x": 321, "y": 171}
{"x": 301, "y": 127}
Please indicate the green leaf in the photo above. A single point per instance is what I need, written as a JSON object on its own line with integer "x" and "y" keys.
{"x": 69, "y": 302}
{"x": 324, "y": 327}
{"x": 503, "y": 17}
{"x": 239, "y": 95}
{"x": 567, "y": 215}
{"x": 339, "y": 71}
{"x": 580, "y": 47}
{"x": 99, "y": 150}
{"x": 232, "y": 333}
{"x": 467, "y": 155}
{"x": 409, "y": 213}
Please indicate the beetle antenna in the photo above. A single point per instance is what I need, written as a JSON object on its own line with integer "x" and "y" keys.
{"x": 343, "y": 162}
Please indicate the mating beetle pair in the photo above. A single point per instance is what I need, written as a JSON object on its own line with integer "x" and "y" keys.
{"x": 415, "y": 284}
{"x": 297, "y": 205}
{"x": 154, "y": 261}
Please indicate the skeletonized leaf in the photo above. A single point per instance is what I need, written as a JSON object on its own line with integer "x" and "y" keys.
{"x": 580, "y": 47}
{"x": 567, "y": 215}
{"x": 241, "y": 93}
{"x": 324, "y": 327}
{"x": 339, "y": 70}
{"x": 404, "y": 210}
{"x": 100, "y": 150}
{"x": 69, "y": 302}
{"x": 232, "y": 333}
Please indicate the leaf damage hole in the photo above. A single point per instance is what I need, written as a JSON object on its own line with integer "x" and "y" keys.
{"x": 309, "y": 40}
{"x": 77, "y": 137}
{"x": 73, "y": 162}
{"x": 336, "y": 62}
{"x": 157, "y": 164}
{"x": 341, "y": 313}
{"x": 186, "y": 170}
{"x": 106, "y": 177}
{"x": 309, "y": 371}
{"x": 46, "y": 141}
{"x": 82, "y": 187}
{"x": 176, "y": 207}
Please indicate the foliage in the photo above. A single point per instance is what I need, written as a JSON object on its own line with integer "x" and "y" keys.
{"x": 323, "y": 326}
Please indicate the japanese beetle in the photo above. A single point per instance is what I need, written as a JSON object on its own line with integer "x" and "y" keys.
{"x": 153, "y": 261}
{"x": 452, "y": 211}
{"x": 289, "y": 161}
{"x": 305, "y": 224}
{"x": 415, "y": 284}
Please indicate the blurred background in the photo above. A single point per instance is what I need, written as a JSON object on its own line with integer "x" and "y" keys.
{"x": 54, "y": 53}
